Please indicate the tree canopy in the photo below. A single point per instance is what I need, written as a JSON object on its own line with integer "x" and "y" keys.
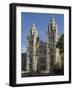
{"x": 60, "y": 44}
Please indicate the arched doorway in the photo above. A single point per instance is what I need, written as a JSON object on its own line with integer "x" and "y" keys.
{"x": 41, "y": 64}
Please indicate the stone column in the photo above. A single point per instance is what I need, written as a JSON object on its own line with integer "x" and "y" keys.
{"x": 47, "y": 61}
{"x": 34, "y": 61}
{"x": 27, "y": 62}
{"x": 34, "y": 64}
{"x": 47, "y": 56}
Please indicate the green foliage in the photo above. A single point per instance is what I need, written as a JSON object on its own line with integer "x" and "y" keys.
{"x": 58, "y": 68}
{"x": 60, "y": 44}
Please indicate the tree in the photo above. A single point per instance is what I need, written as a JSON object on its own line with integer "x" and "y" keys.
{"x": 60, "y": 44}
{"x": 57, "y": 68}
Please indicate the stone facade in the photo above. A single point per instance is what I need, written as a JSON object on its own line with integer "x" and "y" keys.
{"x": 41, "y": 56}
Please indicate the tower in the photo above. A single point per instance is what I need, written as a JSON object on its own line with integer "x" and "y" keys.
{"x": 51, "y": 44}
{"x": 31, "y": 64}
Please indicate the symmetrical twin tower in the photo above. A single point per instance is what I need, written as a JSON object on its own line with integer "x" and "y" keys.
{"x": 41, "y": 56}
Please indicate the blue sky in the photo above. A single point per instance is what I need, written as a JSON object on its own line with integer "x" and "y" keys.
{"x": 41, "y": 20}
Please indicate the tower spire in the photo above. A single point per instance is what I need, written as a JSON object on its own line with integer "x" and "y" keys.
{"x": 33, "y": 26}
{"x": 52, "y": 19}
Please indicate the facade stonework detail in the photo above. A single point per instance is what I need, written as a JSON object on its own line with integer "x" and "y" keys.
{"x": 41, "y": 56}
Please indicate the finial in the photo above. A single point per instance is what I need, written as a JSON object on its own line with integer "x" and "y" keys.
{"x": 33, "y": 24}
{"x": 52, "y": 19}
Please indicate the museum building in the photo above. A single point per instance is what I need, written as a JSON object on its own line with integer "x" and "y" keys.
{"x": 41, "y": 56}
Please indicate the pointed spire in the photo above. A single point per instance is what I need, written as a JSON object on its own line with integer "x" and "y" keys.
{"x": 33, "y": 29}
{"x": 33, "y": 24}
{"x": 52, "y": 20}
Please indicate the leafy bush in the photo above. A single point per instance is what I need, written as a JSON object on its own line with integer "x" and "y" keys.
{"x": 58, "y": 68}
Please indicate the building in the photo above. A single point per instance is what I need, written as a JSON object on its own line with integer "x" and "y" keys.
{"x": 41, "y": 56}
